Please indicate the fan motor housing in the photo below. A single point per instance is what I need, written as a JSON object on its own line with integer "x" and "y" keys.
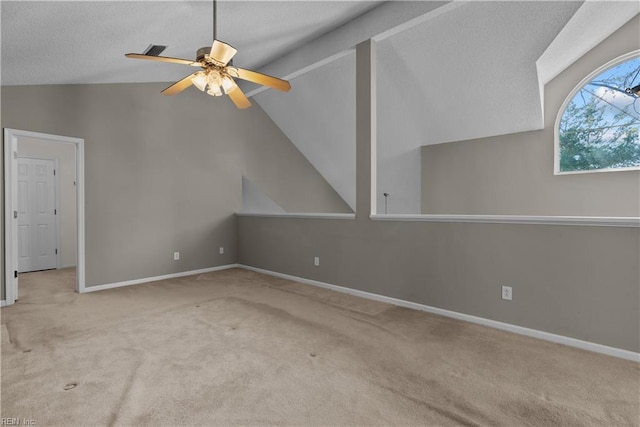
{"x": 202, "y": 52}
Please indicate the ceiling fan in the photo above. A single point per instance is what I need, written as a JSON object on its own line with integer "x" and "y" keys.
{"x": 217, "y": 73}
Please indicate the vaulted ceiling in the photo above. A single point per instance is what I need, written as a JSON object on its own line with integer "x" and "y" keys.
{"x": 447, "y": 71}
{"x": 456, "y": 71}
{"x": 69, "y": 42}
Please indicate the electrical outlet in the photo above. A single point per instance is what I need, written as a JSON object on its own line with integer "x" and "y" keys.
{"x": 221, "y": 250}
{"x": 176, "y": 256}
{"x": 507, "y": 293}
{"x": 316, "y": 261}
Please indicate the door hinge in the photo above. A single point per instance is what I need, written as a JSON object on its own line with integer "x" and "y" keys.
{"x": 56, "y": 251}
{"x": 15, "y": 214}
{"x": 15, "y": 274}
{"x": 55, "y": 211}
{"x": 15, "y": 155}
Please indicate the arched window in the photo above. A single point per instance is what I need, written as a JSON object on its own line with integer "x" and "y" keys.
{"x": 599, "y": 124}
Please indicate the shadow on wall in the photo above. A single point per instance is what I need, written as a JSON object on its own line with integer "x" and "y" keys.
{"x": 399, "y": 177}
{"x": 254, "y": 200}
{"x": 401, "y": 111}
{"x": 318, "y": 116}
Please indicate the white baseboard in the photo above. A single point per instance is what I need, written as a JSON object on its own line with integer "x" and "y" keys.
{"x": 156, "y": 278}
{"x": 559, "y": 339}
{"x": 3, "y": 303}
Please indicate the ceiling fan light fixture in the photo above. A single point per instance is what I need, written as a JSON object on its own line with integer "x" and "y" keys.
{"x": 199, "y": 80}
{"x": 228, "y": 84}
{"x": 214, "y": 78}
{"x": 214, "y": 91}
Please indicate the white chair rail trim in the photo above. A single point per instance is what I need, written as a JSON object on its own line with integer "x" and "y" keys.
{"x": 594, "y": 221}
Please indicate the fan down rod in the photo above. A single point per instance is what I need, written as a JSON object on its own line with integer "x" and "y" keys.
{"x": 215, "y": 7}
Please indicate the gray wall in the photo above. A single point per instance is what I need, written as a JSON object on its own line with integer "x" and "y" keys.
{"x": 164, "y": 174}
{"x": 513, "y": 174}
{"x": 577, "y": 281}
{"x": 65, "y": 154}
{"x": 581, "y": 282}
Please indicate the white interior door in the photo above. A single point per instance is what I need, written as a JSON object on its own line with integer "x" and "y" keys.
{"x": 36, "y": 215}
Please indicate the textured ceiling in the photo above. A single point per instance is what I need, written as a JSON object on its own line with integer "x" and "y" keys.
{"x": 477, "y": 70}
{"x": 66, "y": 42}
{"x": 592, "y": 23}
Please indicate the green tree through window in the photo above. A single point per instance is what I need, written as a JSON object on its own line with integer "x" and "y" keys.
{"x": 600, "y": 127}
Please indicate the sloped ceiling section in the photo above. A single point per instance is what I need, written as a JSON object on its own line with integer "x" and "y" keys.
{"x": 469, "y": 73}
{"x": 465, "y": 74}
{"x": 318, "y": 116}
{"x": 591, "y": 24}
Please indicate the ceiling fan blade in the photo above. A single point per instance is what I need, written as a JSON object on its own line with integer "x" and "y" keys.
{"x": 238, "y": 97}
{"x": 263, "y": 79}
{"x": 222, "y": 53}
{"x": 163, "y": 59}
{"x": 179, "y": 86}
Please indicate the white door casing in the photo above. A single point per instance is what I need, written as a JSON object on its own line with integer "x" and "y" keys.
{"x": 37, "y": 231}
{"x": 10, "y": 198}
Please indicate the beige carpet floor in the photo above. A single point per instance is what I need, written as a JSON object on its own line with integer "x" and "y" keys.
{"x": 239, "y": 348}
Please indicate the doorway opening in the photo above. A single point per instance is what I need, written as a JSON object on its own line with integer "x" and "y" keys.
{"x": 27, "y": 248}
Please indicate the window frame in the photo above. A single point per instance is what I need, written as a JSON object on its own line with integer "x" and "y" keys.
{"x": 556, "y": 130}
